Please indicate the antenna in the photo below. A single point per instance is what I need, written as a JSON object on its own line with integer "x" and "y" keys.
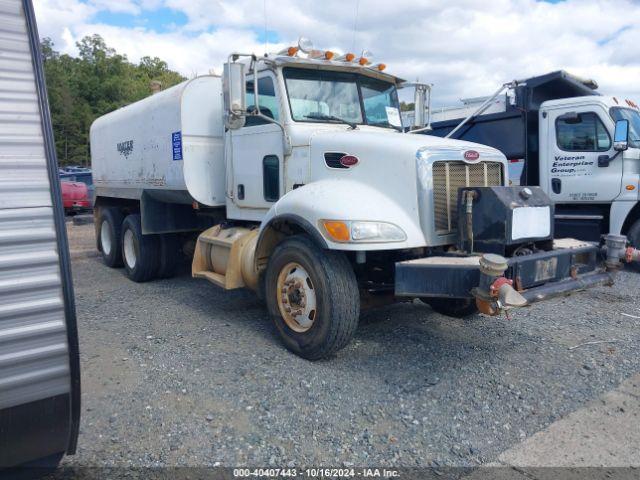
{"x": 355, "y": 26}
{"x": 264, "y": 6}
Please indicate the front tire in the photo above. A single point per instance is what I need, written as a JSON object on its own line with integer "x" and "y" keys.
{"x": 312, "y": 297}
{"x": 140, "y": 253}
{"x": 633, "y": 234}
{"x": 454, "y": 307}
{"x": 109, "y": 232}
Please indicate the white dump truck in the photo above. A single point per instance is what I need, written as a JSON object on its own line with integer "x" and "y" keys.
{"x": 558, "y": 132}
{"x": 290, "y": 175}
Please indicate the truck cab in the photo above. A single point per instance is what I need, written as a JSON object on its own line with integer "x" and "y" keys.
{"x": 592, "y": 183}
{"x": 558, "y": 132}
{"x": 302, "y": 110}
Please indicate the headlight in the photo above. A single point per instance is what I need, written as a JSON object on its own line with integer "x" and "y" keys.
{"x": 363, "y": 232}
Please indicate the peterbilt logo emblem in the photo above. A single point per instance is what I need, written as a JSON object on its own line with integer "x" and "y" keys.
{"x": 125, "y": 148}
{"x": 349, "y": 161}
{"x": 471, "y": 155}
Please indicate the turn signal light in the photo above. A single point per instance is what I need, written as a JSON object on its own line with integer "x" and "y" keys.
{"x": 630, "y": 187}
{"x": 337, "y": 230}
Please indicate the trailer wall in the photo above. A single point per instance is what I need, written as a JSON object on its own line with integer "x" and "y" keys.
{"x": 39, "y": 359}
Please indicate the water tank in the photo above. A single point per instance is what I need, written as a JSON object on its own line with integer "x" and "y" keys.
{"x": 170, "y": 144}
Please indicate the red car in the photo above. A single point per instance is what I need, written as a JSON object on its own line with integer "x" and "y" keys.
{"x": 75, "y": 197}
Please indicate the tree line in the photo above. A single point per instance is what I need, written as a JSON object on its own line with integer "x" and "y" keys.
{"x": 97, "y": 81}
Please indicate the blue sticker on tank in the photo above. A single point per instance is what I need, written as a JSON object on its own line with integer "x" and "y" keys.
{"x": 176, "y": 140}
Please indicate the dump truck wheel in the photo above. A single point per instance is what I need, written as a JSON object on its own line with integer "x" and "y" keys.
{"x": 634, "y": 238}
{"x": 454, "y": 307}
{"x": 169, "y": 255}
{"x": 140, "y": 253}
{"x": 109, "y": 232}
{"x": 312, "y": 296}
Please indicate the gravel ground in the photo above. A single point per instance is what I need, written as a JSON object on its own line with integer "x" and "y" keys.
{"x": 178, "y": 372}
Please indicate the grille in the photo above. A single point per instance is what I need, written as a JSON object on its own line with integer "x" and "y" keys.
{"x": 448, "y": 177}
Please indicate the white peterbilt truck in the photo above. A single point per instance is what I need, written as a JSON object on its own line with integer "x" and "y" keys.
{"x": 293, "y": 176}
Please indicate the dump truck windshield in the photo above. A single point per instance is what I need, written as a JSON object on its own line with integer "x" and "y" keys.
{"x": 329, "y": 96}
{"x": 633, "y": 116}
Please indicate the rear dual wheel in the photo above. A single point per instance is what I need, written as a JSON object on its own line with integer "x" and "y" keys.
{"x": 109, "y": 232}
{"x": 140, "y": 253}
{"x": 144, "y": 257}
{"x": 312, "y": 297}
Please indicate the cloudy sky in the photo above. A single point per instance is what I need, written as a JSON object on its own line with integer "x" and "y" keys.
{"x": 465, "y": 48}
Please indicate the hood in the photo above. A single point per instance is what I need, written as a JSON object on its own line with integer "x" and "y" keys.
{"x": 376, "y": 140}
{"x": 73, "y": 190}
{"x": 398, "y": 165}
{"x": 387, "y": 158}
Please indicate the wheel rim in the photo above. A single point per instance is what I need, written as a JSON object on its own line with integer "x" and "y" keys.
{"x": 129, "y": 249}
{"x": 296, "y": 297}
{"x": 105, "y": 237}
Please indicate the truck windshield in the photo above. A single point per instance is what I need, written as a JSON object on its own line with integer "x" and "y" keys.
{"x": 329, "y": 96}
{"x": 633, "y": 116}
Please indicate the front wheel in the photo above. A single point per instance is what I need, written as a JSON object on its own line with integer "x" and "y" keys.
{"x": 633, "y": 235}
{"x": 312, "y": 297}
{"x": 454, "y": 307}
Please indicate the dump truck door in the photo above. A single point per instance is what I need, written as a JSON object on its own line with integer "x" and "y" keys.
{"x": 578, "y": 152}
{"x": 258, "y": 149}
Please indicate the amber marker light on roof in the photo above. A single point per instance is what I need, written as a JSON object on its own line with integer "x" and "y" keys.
{"x": 347, "y": 57}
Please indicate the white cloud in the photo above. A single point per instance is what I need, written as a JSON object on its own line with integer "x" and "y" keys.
{"x": 119, "y": 6}
{"x": 465, "y": 47}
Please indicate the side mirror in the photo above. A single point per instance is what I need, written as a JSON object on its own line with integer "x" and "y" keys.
{"x": 422, "y": 104}
{"x": 621, "y": 136}
{"x": 234, "y": 93}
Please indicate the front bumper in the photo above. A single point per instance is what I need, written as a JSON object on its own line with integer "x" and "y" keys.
{"x": 571, "y": 265}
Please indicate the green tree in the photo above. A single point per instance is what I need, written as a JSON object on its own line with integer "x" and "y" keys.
{"x": 407, "y": 107}
{"x": 97, "y": 81}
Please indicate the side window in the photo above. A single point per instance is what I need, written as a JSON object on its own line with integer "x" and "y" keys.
{"x": 271, "y": 177}
{"x": 267, "y": 98}
{"x": 587, "y": 133}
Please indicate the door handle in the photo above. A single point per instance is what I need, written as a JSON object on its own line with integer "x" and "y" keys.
{"x": 556, "y": 185}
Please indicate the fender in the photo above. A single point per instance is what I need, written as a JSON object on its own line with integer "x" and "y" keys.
{"x": 619, "y": 214}
{"x": 292, "y": 219}
{"x": 340, "y": 199}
